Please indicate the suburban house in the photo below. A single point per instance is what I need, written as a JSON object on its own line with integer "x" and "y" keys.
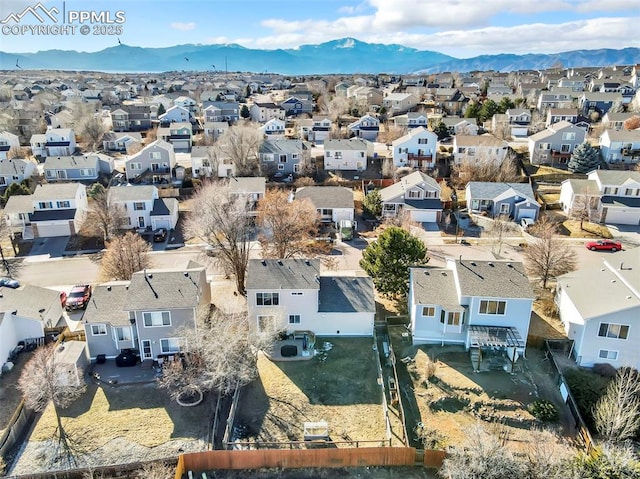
{"x": 483, "y": 305}
{"x": 460, "y": 126}
{"x": 599, "y": 307}
{"x": 186, "y": 102}
{"x": 596, "y": 102}
{"x": 348, "y": 154}
{"x": 228, "y": 111}
{"x": 7, "y": 141}
{"x": 147, "y": 314}
{"x": 124, "y": 142}
{"x": 59, "y": 209}
{"x": 418, "y": 194}
{"x": 413, "y": 119}
{"x": 179, "y": 134}
{"x": 175, "y": 114}
{"x": 297, "y": 106}
{"x": 366, "y": 127}
{"x": 80, "y": 168}
{"x": 615, "y": 120}
{"x": 620, "y": 146}
{"x": 15, "y": 170}
{"x": 396, "y": 103}
{"x": 284, "y": 156}
{"x": 479, "y": 149}
{"x": 333, "y": 203}
{"x": 154, "y": 163}
{"x": 556, "y": 143}
{"x": 555, "y": 98}
{"x": 24, "y": 314}
{"x": 291, "y": 295}
{"x": 320, "y": 130}
{"x": 416, "y": 149}
{"x": 579, "y": 196}
{"x": 511, "y": 200}
{"x": 55, "y": 142}
{"x": 619, "y": 196}
{"x": 556, "y": 115}
{"x": 518, "y": 120}
{"x": 215, "y": 129}
{"x": 131, "y": 118}
{"x": 273, "y": 129}
{"x": 143, "y": 208}
{"x": 252, "y": 188}
{"x": 263, "y": 112}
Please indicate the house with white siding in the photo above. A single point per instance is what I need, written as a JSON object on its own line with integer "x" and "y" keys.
{"x": 416, "y": 149}
{"x": 59, "y": 209}
{"x": 143, "y": 208}
{"x": 418, "y": 194}
{"x": 333, "y": 203}
{"x": 479, "y": 149}
{"x": 351, "y": 154}
{"x": 620, "y": 146}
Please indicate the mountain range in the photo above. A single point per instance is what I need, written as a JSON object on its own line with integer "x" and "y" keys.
{"x": 346, "y": 55}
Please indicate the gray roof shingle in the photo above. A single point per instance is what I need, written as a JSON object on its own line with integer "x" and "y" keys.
{"x": 435, "y": 286}
{"x": 346, "y": 294}
{"x": 327, "y": 196}
{"x": 269, "y": 274}
{"x": 108, "y": 304}
{"x": 163, "y": 289}
{"x": 493, "y": 279}
{"x": 490, "y": 190}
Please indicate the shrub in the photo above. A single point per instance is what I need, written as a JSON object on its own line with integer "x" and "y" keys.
{"x": 544, "y": 410}
{"x": 587, "y": 388}
{"x": 605, "y": 370}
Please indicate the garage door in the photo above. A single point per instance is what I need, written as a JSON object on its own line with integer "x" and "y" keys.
{"x": 51, "y": 230}
{"x": 623, "y": 216}
{"x": 424, "y": 216}
{"x": 527, "y": 213}
{"x": 161, "y": 224}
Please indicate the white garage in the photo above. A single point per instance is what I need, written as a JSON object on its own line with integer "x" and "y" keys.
{"x": 622, "y": 216}
{"x": 52, "y": 229}
{"x": 425, "y": 216}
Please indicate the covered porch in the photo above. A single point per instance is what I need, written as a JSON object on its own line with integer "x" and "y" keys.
{"x": 494, "y": 348}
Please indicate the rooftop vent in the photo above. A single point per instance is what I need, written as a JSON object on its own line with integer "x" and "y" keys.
{"x": 279, "y": 262}
{"x": 264, "y": 263}
{"x": 473, "y": 263}
{"x": 108, "y": 288}
{"x": 491, "y": 264}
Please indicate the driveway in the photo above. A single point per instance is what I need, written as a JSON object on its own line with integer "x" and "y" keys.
{"x": 52, "y": 247}
{"x": 628, "y": 234}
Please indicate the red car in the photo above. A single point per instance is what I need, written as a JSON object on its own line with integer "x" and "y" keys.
{"x": 79, "y": 296}
{"x": 604, "y": 245}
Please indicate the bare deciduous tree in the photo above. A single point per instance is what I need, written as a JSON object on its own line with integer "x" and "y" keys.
{"x": 241, "y": 143}
{"x": 223, "y": 220}
{"x": 617, "y": 413}
{"x": 584, "y": 208}
{"x": 44, "y": 379}
{"x": 485, "y": 170}
{"x": 124, "y": 256}
{"x": 289, "y": 226}
{"x": 632, "y": 123}
{"x": 500, "y": 227}
{"x": 93, "y": 129}
{"x": 104, "y": 217}
{"x": 547, "y": 256}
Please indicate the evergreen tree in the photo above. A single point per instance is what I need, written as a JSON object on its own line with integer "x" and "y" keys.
{"x": 584, "y": 159}
{"x": 161, "y": 109}
{"x": 505, "y": 104}
{"x": 372, "y": 203}
{"x": 441, "y": 130}
{"x": 472, "y": 111}
{"x": 489, "y": 108}
{"x": 244, "y": 112}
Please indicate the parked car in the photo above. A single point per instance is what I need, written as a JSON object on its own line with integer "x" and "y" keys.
{"x": 79, "y": 297}
{"x": 159, "y": 235}
{"x": 604, "y": 245}
{"x": 9, "y": 283}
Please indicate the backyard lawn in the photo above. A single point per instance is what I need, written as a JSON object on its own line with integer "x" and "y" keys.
{"x": 341, "y": 389}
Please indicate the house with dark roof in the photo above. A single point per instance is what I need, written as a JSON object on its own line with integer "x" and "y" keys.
{"x": 511, "y": 200}
{"x": 147, "y": 314}
{"x": 418, "y": 194}
{"x": 154, "y": 164}
{"x": 483, "y": 305}
{"x": 556, "y": 143}
{"x": 333, "y": 203}
{"x": 143, "y": 208}
{"x": 599, "y": 306}
{"x": 366, "y": 127}
{"x": 263, "y": 112}
{"x": 291, "y": 295}
{"x": 284, "y": 156}
{"x": 79, "y": 168}
{"x": 59, "y": 209}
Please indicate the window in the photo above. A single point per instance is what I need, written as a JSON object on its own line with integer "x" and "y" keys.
{"x": 43, "y": 205}
{"x": 415, "y": 194}
{"x": 64, "y": 204}
{"x": 566, "y": 148}
{"x": 155, "y": 155}
{"x": 337, "y": 155}
{"x": 471, "y": 152}
{"x": 428, "y": 311}
{"x": 267, "y": 299}
{"x": 423, "y": 141}
{"x": 296, "y": 293}
{"x": 453, "y": 318}
{"x": 135, "y": 166}
{"x": 283, "y": 158}
{"x": 86, "y": 172}
{"x": 138, "y": 206}
{"x": 171, "y": 345}
{"x": 281, "y": 167}
{"x": 123, "y": 334}
{"x": 294, "y": 319}
{"x": 157, "y": 318}
{"x": 98, "y": 329}
{"x": 326, "y": 212}
{"x": 462, "y": 150}
{"x": 612, "y": 330}
{"x": 569, "y": 136}
{"x": 544, "y": 146}
{"x": 492, "y": 307}
{"x": 504, "y": 208}
{"x": 606, "y": 354}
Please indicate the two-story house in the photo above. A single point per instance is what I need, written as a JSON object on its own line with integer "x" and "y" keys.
{"x": 483, "y": 305}
{"x": 416, "y": 149}
{"x": 273, "y": 129}
{"x": 55, "y": 142}
{"x": 263, "y": 112}
{"x": 333, "y": 203}
{"x": 349, "y": 154}
{"x": 284, "y": 156}
{"x": 217, "y": 111}
{"x": 7, "y": 141}
{"x": 479, "y": 149}
{"x": 320, "y": 129}
{"x": 413, "y": 119}
{"x": 418, "y": 194}
{"x": 519, "y": 120}
{"x": 154, "y": 163}
{"x": 600, "y": 309}
{"x": 366, "y": 127}
{"x": 215, "y": 129}
{"x": 294, "y": 106}
{"x": 619, "y": 196}
{"x": 16, "y": 170}
{"x": 59, "y": 209}
{"x": 597, "y": 102}
{"x": 179, "y": 134}
{"x": 123, "y": 142}
{"x": 148, "y": 314}
{"x": 555, "y": 144}
{"x": 397, "y": 103}
{"x": 615, "y": 120}
{"x": 175, "y": 114}
{"x": 79, "y": 168}
{"x": 620, "y": 146}
{"x": 133, "y": 117}
{"x": 461, "y": 126}
{"x": 291, "y": 295}
{"x": 509, "y": 200}
{"x": 143, "y": 208}
{"x": 556, "y": 115}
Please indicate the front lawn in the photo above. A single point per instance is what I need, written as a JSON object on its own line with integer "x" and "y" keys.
{"x": 572, "y": 229}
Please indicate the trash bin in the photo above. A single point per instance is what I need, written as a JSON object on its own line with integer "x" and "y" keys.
{"x": 101, "y": 359}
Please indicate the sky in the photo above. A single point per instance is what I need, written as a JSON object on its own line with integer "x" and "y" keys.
{"x": 460, "y": 28}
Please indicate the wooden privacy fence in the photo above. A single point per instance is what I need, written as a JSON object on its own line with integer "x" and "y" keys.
{"x": 15, "y": 428}
{"x": 295, "y": 459}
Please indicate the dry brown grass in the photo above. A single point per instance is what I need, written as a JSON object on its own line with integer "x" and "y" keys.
{"x": 572, "y": 229}
{"x": 139, "y": 413}
{"x": 10, "y": 397}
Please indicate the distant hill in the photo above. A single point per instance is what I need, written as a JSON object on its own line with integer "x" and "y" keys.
{"x": 346, "y": 55}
